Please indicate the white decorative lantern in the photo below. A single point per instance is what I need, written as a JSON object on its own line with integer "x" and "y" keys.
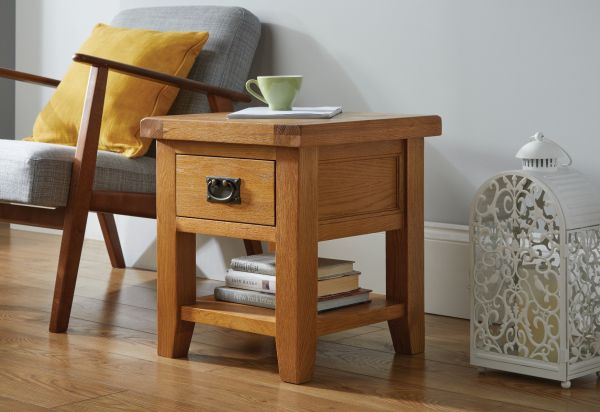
{"x": 535, "y": 272}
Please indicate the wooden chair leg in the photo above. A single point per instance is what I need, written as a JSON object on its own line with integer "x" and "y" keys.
{"x": 253, "y": 247}
{"x": 68, "y": 266}
{"x": 111, "y": 238}
{"x": 78, "y": 204}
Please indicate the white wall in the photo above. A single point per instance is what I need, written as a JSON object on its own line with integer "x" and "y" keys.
{"x": 496, "y": 71}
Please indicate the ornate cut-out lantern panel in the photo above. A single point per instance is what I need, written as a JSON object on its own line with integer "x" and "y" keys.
{"x": 535, "y": 270}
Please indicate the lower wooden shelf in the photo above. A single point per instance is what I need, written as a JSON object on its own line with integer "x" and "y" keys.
{"x": 253, "y": 319}
{"x": 230, "y": 315}
{"x": 350, "y": 317}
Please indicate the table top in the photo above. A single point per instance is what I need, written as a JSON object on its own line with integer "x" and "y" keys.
{"x": 341, "y": 129}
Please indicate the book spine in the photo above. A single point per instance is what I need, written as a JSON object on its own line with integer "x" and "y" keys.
{"x": 252, "y": 267}
{"x": 250, "y": 281}
{"x": 246, "y": 297}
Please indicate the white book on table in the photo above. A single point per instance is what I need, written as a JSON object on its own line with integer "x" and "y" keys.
{"x": 324, "y": 112}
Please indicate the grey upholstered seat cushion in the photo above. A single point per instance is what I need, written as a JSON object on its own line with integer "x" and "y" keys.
{"x": 40, "y": 173}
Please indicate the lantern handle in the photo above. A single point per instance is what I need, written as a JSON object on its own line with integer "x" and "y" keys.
{"x": 539, "y": 137}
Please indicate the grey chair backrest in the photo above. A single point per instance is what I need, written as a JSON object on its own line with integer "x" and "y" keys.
{"x": 226, "y": 57}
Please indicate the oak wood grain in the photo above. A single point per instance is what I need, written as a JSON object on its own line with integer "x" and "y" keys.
{"x": 378, "y": 310}
{"x": 241, "y": 151}
{"x": 405, "y": 259}
{"x": 359, "y": 150}
{"x": 176, "y": 263}
{"x": 360, "y": 225}
{"x": 257, "y": 189}
{"x": 345, "y": 128}
{"x": 223, "y": 228}
{"x": 44, "y": 387}
{"x": 129, "y": 400}
{"x": 231, "y": 315}
{"x": 8, "y": 404}
{"x": 296, "y": 254}
{"x": 359, "y": 186}
{"x": 319, "y": 193}
{"x": 262, "y": 321}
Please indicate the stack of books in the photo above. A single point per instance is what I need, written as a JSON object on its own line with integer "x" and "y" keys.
{"x": 252, "y": 280}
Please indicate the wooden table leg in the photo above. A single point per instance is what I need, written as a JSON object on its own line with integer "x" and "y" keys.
{"x": 176, "y": 274}
{"x": 404, "y": 259}
{"x": 297, "y": 251}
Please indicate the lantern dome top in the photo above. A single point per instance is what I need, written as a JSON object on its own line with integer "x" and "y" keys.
{"x": 542, "y": 154}
{"x": 578, "y": 196}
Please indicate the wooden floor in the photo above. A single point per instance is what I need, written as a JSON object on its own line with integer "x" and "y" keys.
{"x": 107, "y": 361}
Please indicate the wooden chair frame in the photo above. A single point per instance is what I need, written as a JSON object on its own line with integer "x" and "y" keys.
{"x": 72, "y": 218}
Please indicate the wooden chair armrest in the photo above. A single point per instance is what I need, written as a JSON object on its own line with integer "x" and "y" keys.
{"x": 28, "y": 78}
{"x": 159, "y": 77}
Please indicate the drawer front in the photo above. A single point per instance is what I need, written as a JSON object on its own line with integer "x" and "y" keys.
{"x": 256, "y": 190}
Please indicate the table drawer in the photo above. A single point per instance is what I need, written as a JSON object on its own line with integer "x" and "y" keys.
{"x": 256, "y": 202}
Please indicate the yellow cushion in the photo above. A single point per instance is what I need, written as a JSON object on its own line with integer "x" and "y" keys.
{"x": 128, "y": 99}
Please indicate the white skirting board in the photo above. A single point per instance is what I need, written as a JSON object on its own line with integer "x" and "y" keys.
{"x": 446, "y": 265}
{"x": 446, "y": 258}
{"x": 447, "y": 270}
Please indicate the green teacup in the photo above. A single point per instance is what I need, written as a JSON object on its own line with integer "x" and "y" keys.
{"x": 278, "y": 92}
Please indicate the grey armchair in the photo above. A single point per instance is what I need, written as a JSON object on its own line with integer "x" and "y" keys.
{"x": 64, "y": 183}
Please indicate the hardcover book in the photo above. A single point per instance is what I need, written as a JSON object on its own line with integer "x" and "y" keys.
{"x": 265, "y": 264}
{"x": 267, "y": 300}
{"x": 331, "y": 284}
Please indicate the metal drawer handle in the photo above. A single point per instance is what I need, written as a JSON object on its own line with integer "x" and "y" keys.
{"x": 223, "y": 189}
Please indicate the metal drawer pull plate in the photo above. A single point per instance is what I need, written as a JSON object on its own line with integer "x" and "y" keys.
{"x": 223, "y": 189}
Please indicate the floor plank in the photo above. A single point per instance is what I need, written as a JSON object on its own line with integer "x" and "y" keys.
{"x": 108, "y": 361}
{"x": 128, "y": 401}
{"x": 8, "y": 404}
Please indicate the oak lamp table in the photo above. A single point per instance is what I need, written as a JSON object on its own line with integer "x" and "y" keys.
{"x": 292, "y": 182}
